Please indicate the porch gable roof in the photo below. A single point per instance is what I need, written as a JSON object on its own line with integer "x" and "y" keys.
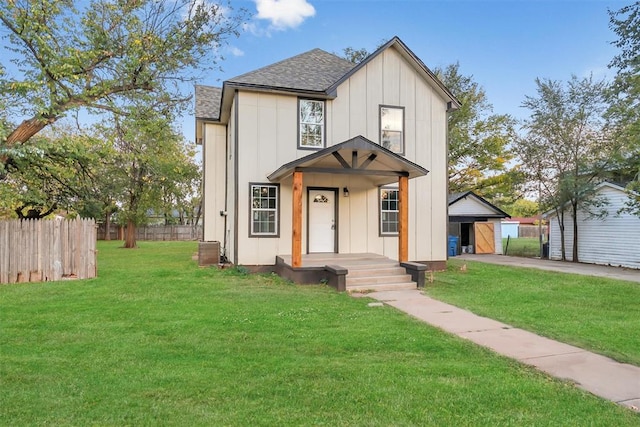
{"x": 356, "y": 156}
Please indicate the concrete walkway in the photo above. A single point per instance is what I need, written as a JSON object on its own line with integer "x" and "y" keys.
{"x": 559, "y": 266}
{"x": 597, "y": 374}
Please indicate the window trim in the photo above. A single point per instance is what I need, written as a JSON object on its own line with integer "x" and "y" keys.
{"x": 380, "y": 232}
{"x": 264, "y": 235}
{"x": 324, "y": 125}
{"x": 402, "y": 140}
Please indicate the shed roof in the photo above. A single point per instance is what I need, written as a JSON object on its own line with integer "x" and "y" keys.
{"x": 498, "y": 213}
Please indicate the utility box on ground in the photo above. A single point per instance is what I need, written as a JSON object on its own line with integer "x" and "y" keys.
{"x": 208, "y": 253}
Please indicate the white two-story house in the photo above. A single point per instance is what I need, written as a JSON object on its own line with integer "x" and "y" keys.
{"x": 314, "y": 161}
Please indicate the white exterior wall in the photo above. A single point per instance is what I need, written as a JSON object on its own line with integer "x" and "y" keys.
{"x": 612, "y": 240}
{"x": 229, "y": 247}
{"x": 213, "y": 154}
{"x": 267, "y": 139}
{"x": 470, "y": 206}
{"x": 497, "y": 234}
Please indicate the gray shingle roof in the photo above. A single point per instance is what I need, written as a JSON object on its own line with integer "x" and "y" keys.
{"x": 315, "y": 70}
{"x": 208, "y": 102}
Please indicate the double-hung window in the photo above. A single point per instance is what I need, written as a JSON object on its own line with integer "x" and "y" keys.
{"x": 389, "y": 211}
{"x": 392, "y": 128}
{"x": 264, "y": 210}
{"x": 311, "y": 114}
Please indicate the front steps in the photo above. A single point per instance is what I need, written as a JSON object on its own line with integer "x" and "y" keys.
{"x": 376, "y": 273}
{"x": 366, "y": 272}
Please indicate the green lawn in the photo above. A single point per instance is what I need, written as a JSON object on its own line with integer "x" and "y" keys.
{"x": 155, "y": 340}
{"x": 595, "y": 313}
{"x": 528, "y": 247}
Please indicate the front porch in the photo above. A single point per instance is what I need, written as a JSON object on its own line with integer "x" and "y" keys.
{"x": 358, "y": 272}
{"x": 372, "y": 165}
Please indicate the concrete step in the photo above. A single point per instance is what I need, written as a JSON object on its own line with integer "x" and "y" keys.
{"x": 359, "y": 267}
{"x": 382, "y": 287}
{"x": 372, "y": 280}
{"x": 376, "y": 270}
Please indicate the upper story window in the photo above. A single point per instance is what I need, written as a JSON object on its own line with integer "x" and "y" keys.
{"x": 311, "y": 123}
{"x": 392, "y": 128}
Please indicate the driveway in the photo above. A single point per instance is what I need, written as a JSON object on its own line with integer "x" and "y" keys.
{"x": 619, "y": 273}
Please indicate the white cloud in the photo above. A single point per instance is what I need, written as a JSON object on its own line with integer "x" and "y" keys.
{"x": 255, "y": 29}
{"x": 284, "y": 14}
{"x": 235, "y": 51}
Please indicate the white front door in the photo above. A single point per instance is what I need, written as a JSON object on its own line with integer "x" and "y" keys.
{"x": 322, "y": 220}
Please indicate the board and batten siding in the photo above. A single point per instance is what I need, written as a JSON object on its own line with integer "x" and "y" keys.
{"x": 389, "y": 79}
{"x": 214, "y": 157}
{"x": 268, "y": 138}
{"x": 612, "y": 240}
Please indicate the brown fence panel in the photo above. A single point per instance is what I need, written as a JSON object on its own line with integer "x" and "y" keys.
{"x": 531, "y": 230}
{"x": 47, "y": 250}
{"x": 157, "y": 232}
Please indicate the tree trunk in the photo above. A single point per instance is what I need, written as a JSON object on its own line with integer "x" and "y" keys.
{"x": 107, "y": 225}
{"x": 198, "y": 212}
{"x": 562, "y": 240}
{"x": 24, "y": 132}
{"x": 574, "y": 215}
{"x": 130, "y": 235}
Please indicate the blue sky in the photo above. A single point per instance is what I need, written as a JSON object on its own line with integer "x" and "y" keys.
{"x": 505, "y": 45}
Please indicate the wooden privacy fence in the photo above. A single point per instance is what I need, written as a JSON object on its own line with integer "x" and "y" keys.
{"x": 526, "y": 230}
{"x": 155, "y": 232}
{"x": 46, "y": 250}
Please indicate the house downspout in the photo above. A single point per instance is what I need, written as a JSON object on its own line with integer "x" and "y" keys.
{"x": 449, "y": 111}
{"x": 236, "y": 174}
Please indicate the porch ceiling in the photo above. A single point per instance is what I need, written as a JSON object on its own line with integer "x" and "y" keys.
{"x": 357, "y": 156}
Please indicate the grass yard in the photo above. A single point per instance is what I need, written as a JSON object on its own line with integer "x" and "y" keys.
{"x": 155, "y": 340}
{"x": 599, "y": 314}
{"x": 528, "y": 247}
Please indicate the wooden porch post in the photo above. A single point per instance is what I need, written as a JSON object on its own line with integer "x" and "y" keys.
{"x": 296, "y": 234}
{"x": 403, "y": 220}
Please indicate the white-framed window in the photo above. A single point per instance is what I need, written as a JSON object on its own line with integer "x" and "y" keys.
{"x": 311, "y": 114}
{"x": 389, "y": 211}
{"x": 392, "y": 128}
{"x": 264, "y": 210}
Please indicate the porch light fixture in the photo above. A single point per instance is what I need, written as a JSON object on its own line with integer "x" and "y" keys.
{"x": 345, "y": 192}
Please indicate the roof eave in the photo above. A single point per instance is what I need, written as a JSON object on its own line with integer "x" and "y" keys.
{"x": 358, "y": 142}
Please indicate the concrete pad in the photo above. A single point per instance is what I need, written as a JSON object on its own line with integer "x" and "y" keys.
{"x": 519, "y": 344}
{"x": 597, "y": 374}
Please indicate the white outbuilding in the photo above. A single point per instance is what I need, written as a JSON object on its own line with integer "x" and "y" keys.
{"x": 475, "y": 223}
{"x": 612, "y": 239}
